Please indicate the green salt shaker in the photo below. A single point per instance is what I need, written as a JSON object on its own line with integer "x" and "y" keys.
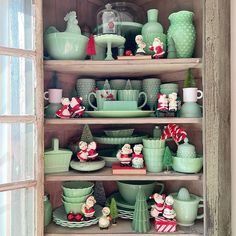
{"x": 157, "y": 132}
{"x": 47, "y": 210}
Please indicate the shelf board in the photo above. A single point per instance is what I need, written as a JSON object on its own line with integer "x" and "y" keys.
{"x": 123, "y": 228}
{"x": 122, "y": 68}
{"x": 105, "y": 174}
{"x": 102, "y": 121}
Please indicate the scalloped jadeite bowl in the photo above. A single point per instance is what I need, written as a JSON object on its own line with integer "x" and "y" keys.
{"x": 66, "y": 46}
{"x": 77, "y": 188}
{"x": 76, "y": 199}
{"x": 153, "y": 143}
{"x": 119, "y": 133}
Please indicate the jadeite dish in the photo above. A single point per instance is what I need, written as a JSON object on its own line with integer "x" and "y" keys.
{"x": 119, "y": 133}
{"x": 76, "y": 199}
{"x": 153, "y": 143}
{"x": 77, "y": 188}
{"x": 87, "y": 166}
{"x": 129, "y": 189}
{"x": 110, "y": 140}
{"x": 73, "y": 207}
{"x": 187, "y": 165}
{"x": 109, "y": 156}
{"x": 60, "y": 218}
{"x": 66, "y": 46}
{"x": 119, "y": 114}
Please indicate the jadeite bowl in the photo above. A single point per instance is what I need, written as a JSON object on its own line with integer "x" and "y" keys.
{"x": 66, "y": 46}
{"x": 87, "y": 166}
{"x": 187, "y": 165}
{"x": 77, "y": 188}
{"x": 119, "y": 133}
{"x": 76, "y": 199}
{"x": 73, "y": 207}
{"x": 153, "y": 143}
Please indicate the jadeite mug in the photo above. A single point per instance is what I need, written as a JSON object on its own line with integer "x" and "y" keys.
{"x": 132, "y": 95}
{"x": 101, "y": 96}
{"x": 129, "y": 189}
{"x": 191, "y": 94}
{"x": 187, "y": 211}
{"x": 53, "y": 95}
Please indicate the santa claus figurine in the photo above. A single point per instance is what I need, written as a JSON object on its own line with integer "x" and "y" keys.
{"x": 88, "y": 208}
{"x": 124, "y": 155}
{"x": 83, "y": 153}
{"x": 158, "y": 207}
{"x": 75, "y": 107}
{"x": 137, "y": 156}
{"x": 64, "y": 112}
{"x": 157, "y": 48}
{"x": 168, "y": 211}
{"x": 92, "y": 154}
{"x": 162, "y": 104}
{"x": 172, "y": 102}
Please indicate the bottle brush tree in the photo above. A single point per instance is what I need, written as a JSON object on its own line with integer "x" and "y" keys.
{"x": 113, "y": 210}
{"x": 189, "y": 82}
{"x": 167, "y": 159}
{"x": 86, "y": 135}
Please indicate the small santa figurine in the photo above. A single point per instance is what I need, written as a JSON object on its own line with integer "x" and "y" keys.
{"x": 157, "y": 48}
{"x": 75, "y": 107}
{"x": 83, "y": 153}
{"x": 158, "y": 207}
{"x": 172, "y": 102}
{"x": 162, "y": 102}
{"x": 64, "y": 112}
{"x": 92, "y": 154}
{"x": 168, "y": 211}
{"x": 88, "y": 208}
{"x": 124, "y": 155}
{"x": 137, "y": 156}
{"x": 141, "y": 45}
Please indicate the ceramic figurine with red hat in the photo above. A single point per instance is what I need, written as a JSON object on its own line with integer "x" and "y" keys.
{"x": 166, "y": 222}
{"x": 162, "y": 102}
{"x": 88, "y": 208}
{"x": 158, "y": 207}
{"x": 157, "y": 48}
{"x": 92, "y": 154}
{"x": 83, "y": 153}
{"x": 124, "y": 155}
{"x": 137, "y": 156}
{"x": 64, "y": 112}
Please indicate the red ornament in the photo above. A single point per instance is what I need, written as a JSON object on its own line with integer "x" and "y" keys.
{"x": 128, "y": 53}
{"x": 91, "y": 46}
{"x": 78, "y": 217}
{"x": 70, "y": 216}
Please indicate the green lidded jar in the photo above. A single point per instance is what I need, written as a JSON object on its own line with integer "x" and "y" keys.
{"x": 153, "y": 29}
{"x": 186, "y": 150}
{"x": 47, "y": 210}
{"x": 183, "y": 33}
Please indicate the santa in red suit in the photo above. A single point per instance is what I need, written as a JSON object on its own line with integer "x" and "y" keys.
{"x": 124, "y": 155}
{"x": 157, "y": 48}
{"x": 88, "y": 208}
{"x": 83, "y": 153}
{"x": 92, "y": 154}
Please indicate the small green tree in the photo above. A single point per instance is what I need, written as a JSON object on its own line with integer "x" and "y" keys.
{"x": 114, "y": 211}
{"x": 189, "y": 82}
{"x": 167, "y": 159}
{"x": 171, "y": 49}
{"x": 86, "y": 135}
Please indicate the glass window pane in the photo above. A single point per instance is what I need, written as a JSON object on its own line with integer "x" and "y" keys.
{"x": 16, "y": 86}
{"x": 17, "y": 152}
{"x": 17, "y": 213}
{"x": 17, "y": 24}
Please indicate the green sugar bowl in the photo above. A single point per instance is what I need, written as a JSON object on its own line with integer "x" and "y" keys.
{"x": 186, "y": 150}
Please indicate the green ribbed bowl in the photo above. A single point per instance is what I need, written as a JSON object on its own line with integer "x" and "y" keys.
{"x": 75, "y": 199}
{"x": 77, "y": 188}
{"x": 153, "y": 143}
{"x": 119, "y": 133}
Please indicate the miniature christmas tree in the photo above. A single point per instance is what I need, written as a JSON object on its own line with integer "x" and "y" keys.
{"x": 128, "y": 85}
{"x": 106, "y": 85}
{"x": 99, "y": 193}
{"x": 171, "y": 49}
{"x": 86, "y": 135}
{"x": 167, "y": 159}
{"x": 114, "y": 211}
{"x": 141, "y": 222}
{"x": 189, "y": 82}
{"x": 91, "y": 46}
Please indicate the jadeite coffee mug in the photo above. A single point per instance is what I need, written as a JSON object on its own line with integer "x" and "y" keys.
{"x": 53, "y": 95}
{"x": 132, "y": 95}
{"x": 101, "y": 96}
{"x": 191, "y": 94}
{"x": 129, "y": 189}
{"x": 187, "y": 211}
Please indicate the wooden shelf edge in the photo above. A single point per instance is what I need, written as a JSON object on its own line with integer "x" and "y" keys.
{"x": 106, "y": 175}
{"x": 99, "y": 121}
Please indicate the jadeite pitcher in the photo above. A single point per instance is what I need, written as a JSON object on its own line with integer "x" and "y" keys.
{"x": 183, "y": 33}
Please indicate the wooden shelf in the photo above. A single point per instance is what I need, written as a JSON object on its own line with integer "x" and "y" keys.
{"x": 101, "y": 121}
{"x": 123, "y": 228}
{"x": 106, "y": 175}
{"x": 122, "y": 68}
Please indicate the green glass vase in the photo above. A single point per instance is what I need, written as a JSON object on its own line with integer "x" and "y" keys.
{"x": 153, "y": 29}
{"x": 183, "y": 33}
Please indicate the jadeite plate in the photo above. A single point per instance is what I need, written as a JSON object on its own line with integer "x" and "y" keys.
{"x": 60, "y": 218}
{"x": 87, "y": 166}
{"x": 110, "y": 140}
{"x": 119, "y": 114}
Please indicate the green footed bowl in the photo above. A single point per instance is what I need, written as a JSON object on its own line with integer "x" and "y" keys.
{"x": 76, "y": 199}
{"x": 187, "y": 165}
{"x": 66, "y": 46}
{"x": 77, "y": 188}
{"x": 73, "y": 207}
